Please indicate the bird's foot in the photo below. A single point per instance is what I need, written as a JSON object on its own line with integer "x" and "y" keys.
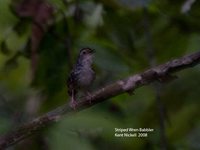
{"x": 89, "y": 96}
{"x": 73, "y": 104}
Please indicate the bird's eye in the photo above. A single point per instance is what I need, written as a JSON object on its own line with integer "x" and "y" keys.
{"x": 84, "y": 52}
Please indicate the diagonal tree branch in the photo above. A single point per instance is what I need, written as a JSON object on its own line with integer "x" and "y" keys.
{"x": 160, "y": 73}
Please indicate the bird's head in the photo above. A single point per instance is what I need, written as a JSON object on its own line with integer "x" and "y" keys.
{"x": 86, "y": 56}
{"x": 86, "y": 51}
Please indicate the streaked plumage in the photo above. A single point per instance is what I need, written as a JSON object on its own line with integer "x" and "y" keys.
{"x": 81, "y": 75}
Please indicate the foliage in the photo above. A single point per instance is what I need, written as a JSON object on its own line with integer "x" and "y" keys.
{"x": 39, "y": 42}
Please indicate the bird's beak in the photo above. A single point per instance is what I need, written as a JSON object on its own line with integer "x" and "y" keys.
{"x": 92, "y": 51}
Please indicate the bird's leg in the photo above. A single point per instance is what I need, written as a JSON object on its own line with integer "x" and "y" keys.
{"x": 73, "y": 102}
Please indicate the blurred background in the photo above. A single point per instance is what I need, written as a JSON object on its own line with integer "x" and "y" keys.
{"x": 39, "y": 43}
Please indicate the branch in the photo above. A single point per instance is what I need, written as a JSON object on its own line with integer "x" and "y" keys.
{"x": 160, "y": 73}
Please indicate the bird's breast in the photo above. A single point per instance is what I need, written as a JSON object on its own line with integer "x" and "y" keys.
{"x": 86, "y": 77}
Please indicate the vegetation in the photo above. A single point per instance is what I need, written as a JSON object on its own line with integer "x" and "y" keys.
{"x": 39, "y": 43}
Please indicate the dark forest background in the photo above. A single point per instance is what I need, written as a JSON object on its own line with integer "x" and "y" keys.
{"x": 39, "y": 43}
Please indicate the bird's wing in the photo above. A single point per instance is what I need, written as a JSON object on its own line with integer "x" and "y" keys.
{"x": 72, "y": 83}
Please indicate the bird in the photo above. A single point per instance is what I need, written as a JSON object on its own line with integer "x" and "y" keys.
{"x": 82, "y": 75}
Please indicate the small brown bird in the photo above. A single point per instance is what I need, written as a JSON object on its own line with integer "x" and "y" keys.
{"x": 82, "y": 75}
